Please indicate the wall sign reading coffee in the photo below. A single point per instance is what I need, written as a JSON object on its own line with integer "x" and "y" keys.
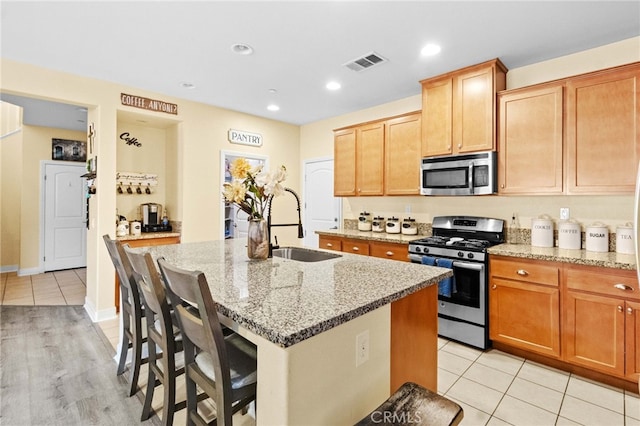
{"x": 150, "y": 104}
{"x": 130, "y": 140}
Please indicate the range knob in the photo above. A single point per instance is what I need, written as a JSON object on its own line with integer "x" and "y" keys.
{"x": 470, "y": 255}
{"x": 418, "y": 249}
{"x": 425, "y": 250}
{"x": 460, "y": 254}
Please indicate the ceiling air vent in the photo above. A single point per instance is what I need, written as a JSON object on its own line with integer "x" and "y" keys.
{"x": 365, "y": 62}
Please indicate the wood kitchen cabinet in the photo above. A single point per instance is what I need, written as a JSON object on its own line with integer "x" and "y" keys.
{"x": 330, "y": 243}
{"x": 601, "y": 320}
{"x": 602, "y": 131}
{"x": 524, "y": 305}
{"x": 402, "y": 155}
{"x": 530, "y": 140}
{"x": 395, "y": 251}
{"x": 459, "y": 109}
{"x": 359, "y": 160}
{"x": 344, "y": 158}
{"x": 385, "y": 250}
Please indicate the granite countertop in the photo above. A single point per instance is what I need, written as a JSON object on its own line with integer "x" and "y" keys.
{"x": 286, "y": 301}
{"x": 555, "y": 254}
{"x": 371, "y": 236}
{"x": 148, "y": 235}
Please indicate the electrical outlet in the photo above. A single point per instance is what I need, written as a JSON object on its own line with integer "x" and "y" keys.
{"x": 362, "y": 348}
{"x": 407, "y": 208}
{"x": 564, "y": 213}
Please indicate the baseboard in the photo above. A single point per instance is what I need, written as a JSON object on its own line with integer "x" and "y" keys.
{"x": 29, "y": 271}
{"x": 8, "y": 268}
{"x": 97, "y": 316}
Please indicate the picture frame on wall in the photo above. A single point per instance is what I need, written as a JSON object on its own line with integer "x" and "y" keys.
{"x": 68, "y": 150}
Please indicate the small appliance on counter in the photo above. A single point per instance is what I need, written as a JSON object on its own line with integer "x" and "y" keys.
{"x": 364, "y": 222}
{"x": 542, "y": 231}
{"x": 624, "y": 239}
{"x": 409, "y": 227}
{"x": 152, "y": 218}
{"x": 378, "y": 224}
{"x": 569, "y": 235}
{"x": 597, "y": 237}
{"x": 393, "y": 225}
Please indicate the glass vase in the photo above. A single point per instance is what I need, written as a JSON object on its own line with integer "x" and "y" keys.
{"x": 257, "y": 239}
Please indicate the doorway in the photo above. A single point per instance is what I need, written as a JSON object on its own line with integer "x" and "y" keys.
{"x": 322, "y": 210}
{"x": 234, "y": 221}
{"x": 64, "y": 215}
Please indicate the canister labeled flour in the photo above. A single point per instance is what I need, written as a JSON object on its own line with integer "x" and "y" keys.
{"x": 542, "y": 231}
{"x": 625, "y": 239}
{"x": 569, "y": 235}
{"x": 597, "y": 237}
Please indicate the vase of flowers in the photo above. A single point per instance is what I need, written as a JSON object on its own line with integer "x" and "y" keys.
{"x": 249, "y": 189}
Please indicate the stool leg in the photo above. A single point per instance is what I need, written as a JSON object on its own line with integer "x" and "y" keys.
{"x": 151, "y": 381}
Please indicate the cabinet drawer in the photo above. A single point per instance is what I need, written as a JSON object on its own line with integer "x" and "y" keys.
{"x": 525, "y": 270}
{"x": 390, "y": 251}
{"x": 330, "y": 243}
{"x": 611, "y": 282}
{"x": 355, "y": 246}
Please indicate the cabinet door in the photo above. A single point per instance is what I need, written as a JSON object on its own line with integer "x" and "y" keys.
{"x": 370, "y": 159}
{"x": 603, "y": 128}
{"x": 525, "y": 316}
{"x": 330, "y": 243}
{"x": 594, "y": 331}
{"x": 344, "y": 160}
{"x": 355, "y": 246}
{"x": 402, "y": 155}
{"x": 474, "y": 111}
{"x": 437, "y": 111}
{"x": 632, "y": 340}
{"x": 389, "y": 250}
{"x": 530, "y": 141}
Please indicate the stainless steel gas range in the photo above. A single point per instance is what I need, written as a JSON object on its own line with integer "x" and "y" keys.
{"x": 460, "y": 243}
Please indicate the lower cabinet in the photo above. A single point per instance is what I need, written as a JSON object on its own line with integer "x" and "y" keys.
{"x": 578, "y": 315}
{"x": 395, "y": 251}
{"x": 524, "y": 305}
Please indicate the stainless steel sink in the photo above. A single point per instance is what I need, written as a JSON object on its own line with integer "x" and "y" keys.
{"x": 303, "y": 254}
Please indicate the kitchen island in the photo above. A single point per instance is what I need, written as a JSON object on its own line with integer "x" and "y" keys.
{"x": 306, "y": 318}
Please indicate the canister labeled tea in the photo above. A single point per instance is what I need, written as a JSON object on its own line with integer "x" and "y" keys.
{"x": 625, "y": 239}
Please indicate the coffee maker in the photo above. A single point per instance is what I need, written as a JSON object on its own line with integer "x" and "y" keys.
{"x": 152, "y": 217}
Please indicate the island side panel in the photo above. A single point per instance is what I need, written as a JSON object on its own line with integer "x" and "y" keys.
{"x": 316, "y": 381}
{"x": 414, "y": 339}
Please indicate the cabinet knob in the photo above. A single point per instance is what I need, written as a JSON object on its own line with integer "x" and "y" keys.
{"x": 389, "y": 253}
{"x": 619, "y": 308}
{"x": 623, "y": 287}
{"x": 630, "y": 311}
{"x": 502, "y": 185}
{"x": 522, "y": 272}
{"x": 493, "y": 287}
{"x": 459, "y": 145}
{"x": 329, "y": 245}
{"x": 356, "y": 248}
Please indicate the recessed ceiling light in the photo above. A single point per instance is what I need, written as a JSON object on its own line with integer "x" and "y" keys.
{"x": 273, "y": 91}
{"x": 430, "y": 49}
{"x": 242, "y": 49}
{"x": 273, "y": 107}
{"x": 187, "y": 85}
{"x": 333, "y": 85}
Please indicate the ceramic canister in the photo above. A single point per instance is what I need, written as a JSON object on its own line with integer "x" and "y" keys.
{"x": 409, "y": 227}
{"x": 569, "y": 235}
{"x": 597, "y": 237}
{"x": 625, "y": 239}
{"x": 542, "y": 231}
{"x": 364, "y": 222}
{"x": 393, "y": 225}
{"x": 378, "y": 224}
{"x": 136, "y": 228}
{"x": 122, "y": 229}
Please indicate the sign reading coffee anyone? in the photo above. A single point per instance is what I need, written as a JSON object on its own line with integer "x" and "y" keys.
{"x": 148, "y": 104}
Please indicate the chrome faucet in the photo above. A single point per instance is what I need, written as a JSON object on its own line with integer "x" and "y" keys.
{"x": 269, "y": 224}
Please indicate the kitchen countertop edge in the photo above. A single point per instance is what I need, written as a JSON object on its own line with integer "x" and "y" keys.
{"x": 370, "y": 235}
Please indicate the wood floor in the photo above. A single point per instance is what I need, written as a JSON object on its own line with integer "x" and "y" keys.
{"x": 57, "y": 369}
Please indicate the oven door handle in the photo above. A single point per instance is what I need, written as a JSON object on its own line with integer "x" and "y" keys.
{"x": 472, "y": 266}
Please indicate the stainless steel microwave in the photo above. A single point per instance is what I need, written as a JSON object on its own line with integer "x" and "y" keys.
{"x": 466, "y": 174}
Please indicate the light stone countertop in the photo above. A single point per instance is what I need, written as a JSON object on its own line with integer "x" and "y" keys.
{"x": 371, "y": 236}
{"x": 286, "y": 301}
{"x": 148, "y": 236}
{"x": 555, "y": 254}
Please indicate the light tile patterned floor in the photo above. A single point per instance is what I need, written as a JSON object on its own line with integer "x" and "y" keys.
{"x": 66, "y": 287}
{"x": 495, "y": 388}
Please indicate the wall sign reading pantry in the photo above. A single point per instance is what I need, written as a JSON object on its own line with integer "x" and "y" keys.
{"x": 150, "y": 104}
{"x": 244, "y": 138}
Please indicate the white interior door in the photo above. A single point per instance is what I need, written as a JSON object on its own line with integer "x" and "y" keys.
{"x": 321, "y": 208}
{"x": 65, "y": 228}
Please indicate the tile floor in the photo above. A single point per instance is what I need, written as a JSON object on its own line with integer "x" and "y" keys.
{"x": 51, "y": 288}
{"x": 494, "y": 388}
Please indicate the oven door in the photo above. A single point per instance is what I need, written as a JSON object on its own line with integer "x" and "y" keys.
{"x": 468, "y": 300}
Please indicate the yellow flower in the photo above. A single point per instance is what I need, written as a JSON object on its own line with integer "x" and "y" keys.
{"x": 235, "y": 191}
{"x": 239, "y": 168}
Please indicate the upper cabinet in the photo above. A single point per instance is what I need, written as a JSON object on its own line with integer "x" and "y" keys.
{"x": 458, "y": 109}
{"x": 530, "y": 140}
{"x": 603, "y": 128}
{"x": 574, "y": 136}
{"x": 378, "y": 158}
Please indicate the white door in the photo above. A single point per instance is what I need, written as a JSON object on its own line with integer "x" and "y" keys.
{"x": 321, "y": 208}
{"x": 65, "y": 227}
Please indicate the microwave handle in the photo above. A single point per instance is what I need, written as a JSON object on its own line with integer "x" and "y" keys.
{"x": 471, "y": 178}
